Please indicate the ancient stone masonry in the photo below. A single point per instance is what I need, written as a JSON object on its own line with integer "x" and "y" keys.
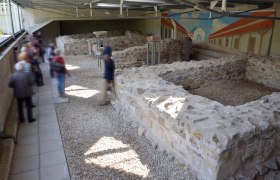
{"x": 264, "y": 70}
{"x": 207, "y": 72}
{"x": 83, "y": 44}
{"x": 170, "y": 51}
{"x": 73, "y": 45}
{"x": 214, "y": 140}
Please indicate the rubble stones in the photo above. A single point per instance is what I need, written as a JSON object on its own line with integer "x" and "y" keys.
{"x": 230, "y": 140}
{"x": 271, "y": 164}
{"x": 262, "y": 169}
{"x": 265, "y": 70}
{"x": 83, "y": 44}
{"x": 170, "y": 51}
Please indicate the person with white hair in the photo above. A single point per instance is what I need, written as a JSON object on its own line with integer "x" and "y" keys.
{"x": 50, "y": 54}
{"x": 22, "y": 83}
{"x": 59, "y": 69}
{"x": 24, "y": 58}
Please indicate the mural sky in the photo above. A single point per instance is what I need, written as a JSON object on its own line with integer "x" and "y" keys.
{"x": 208, "y": 26}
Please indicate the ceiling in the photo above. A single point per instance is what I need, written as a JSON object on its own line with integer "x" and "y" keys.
{"x": 131, "y": 4}
{"x": 154, "y": 6}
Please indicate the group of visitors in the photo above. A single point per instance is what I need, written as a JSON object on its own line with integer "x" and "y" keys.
{"x": 28, "y": 72}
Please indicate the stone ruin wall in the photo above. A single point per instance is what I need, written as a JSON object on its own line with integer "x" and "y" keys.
{"x": 265, "y": 70}
{"x": 170, "y": 51}
{"x": 215, "y": 141}
{"x": 119, "y": 43}
{"x": 204, "y": 73}
{"x": 82, "y": 44}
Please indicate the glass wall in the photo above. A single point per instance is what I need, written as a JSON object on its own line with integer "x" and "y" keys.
{"x": 15, "y": 16}
{"x": 10, "y": 19}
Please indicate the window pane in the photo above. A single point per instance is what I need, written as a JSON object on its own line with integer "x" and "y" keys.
{"x": 5, "y": 21}
{"x": 20, "y": 15}
{"x": 15, "y": 16}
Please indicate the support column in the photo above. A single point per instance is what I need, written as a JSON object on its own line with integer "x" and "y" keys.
{"x": 11, "y": 17}
{"x": 275, "y": 40}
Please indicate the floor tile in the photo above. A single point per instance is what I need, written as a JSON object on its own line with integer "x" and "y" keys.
{"x": 49, "y": 127}
{"x": 48, "y": 136}
{"x": 50, "y": 146}
{"x": 52, "y": 158}
{"x": 59, "y": 100}
{"x": 48, "y": 119}
{"x": 47, "y": 107}
{"x": 56, "y": 172}
{"x": 47, "y": 112}
{"x": 27, "y": 130}
{"x": 26, "y": 151}
{"x": 27, "y": 139}
{"x": 30, "y": 175}
{"x": 25, "y": 164}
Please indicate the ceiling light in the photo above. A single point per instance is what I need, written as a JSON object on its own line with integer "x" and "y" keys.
{"x": 108, "y": 5}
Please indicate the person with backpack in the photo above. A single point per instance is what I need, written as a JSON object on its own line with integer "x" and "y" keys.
{"x": 59, "y": 70}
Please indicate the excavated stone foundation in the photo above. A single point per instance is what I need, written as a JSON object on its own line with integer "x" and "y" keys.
{"x": 215, "y": 140}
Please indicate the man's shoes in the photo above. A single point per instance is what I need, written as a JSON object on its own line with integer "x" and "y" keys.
{"x": 103, "y": 103}
{"x": 32, "y": 120}
{"x": 62, "y": 96}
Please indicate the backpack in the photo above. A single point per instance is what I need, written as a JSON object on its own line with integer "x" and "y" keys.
{"x": 56, "y": 66}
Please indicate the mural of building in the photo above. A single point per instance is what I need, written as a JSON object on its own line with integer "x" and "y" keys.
{"x": 170, "y": 28}
{"x": 191, "y": 35}
{"x": 199, "y": 34}
{"x": 246, "y": 35}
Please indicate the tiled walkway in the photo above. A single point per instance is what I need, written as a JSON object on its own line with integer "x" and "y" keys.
{"x": 39, "y": 154}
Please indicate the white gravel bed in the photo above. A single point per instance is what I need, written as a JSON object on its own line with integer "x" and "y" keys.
{"x": 98, "y": 143}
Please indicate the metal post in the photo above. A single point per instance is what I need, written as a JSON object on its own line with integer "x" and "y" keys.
{"x": 152, "y": 53}
{"x": 148, "y": 54}
{"x": 19, "y": 19}
{"x": 159, "y": 53}
{"x": 121, "y": 7}
{"x": 91, "y": 10}
{"x": 224, "y": 5}
{"x": 156, "y": 10}
{"x": 10, "y": 9}
{"x": 154, "y": 58}
{"x": 77, "y": 12}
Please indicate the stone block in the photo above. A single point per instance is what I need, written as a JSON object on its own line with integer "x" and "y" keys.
{"x": 262, "y": 169}
{"x": 230, "y": 140}
{"x": 141, "y": 131}
{"x": 271, "y": 164}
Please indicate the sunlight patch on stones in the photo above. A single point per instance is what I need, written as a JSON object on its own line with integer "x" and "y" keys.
{"x": 71, "y": 67}
{"x": 172, "y": 105}
{"x": 111, "y": 153}
{"x": 80, "y": 91}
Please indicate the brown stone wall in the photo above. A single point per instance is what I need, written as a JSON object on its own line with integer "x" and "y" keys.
{"x": 217, "y": 71}
{"x": 170, "y": 51}
{"x": 265, "y": 70}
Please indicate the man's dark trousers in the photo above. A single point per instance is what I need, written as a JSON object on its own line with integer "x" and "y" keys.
{"x": 28, "y": 103}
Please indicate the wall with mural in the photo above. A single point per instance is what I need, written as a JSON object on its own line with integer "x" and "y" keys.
{"x": 240, "y": 34}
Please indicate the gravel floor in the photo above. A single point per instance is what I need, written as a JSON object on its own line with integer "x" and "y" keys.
{"x": 98, "y": 143}
{"x": 234, "y": 93}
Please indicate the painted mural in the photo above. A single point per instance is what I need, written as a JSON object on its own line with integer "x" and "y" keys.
{"x": 240, "y": 34}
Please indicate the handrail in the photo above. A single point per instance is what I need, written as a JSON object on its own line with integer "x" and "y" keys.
{"x": 10, "y": 40}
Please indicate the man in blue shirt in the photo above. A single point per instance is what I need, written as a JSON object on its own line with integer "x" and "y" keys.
{"x": 109, "y": 72}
